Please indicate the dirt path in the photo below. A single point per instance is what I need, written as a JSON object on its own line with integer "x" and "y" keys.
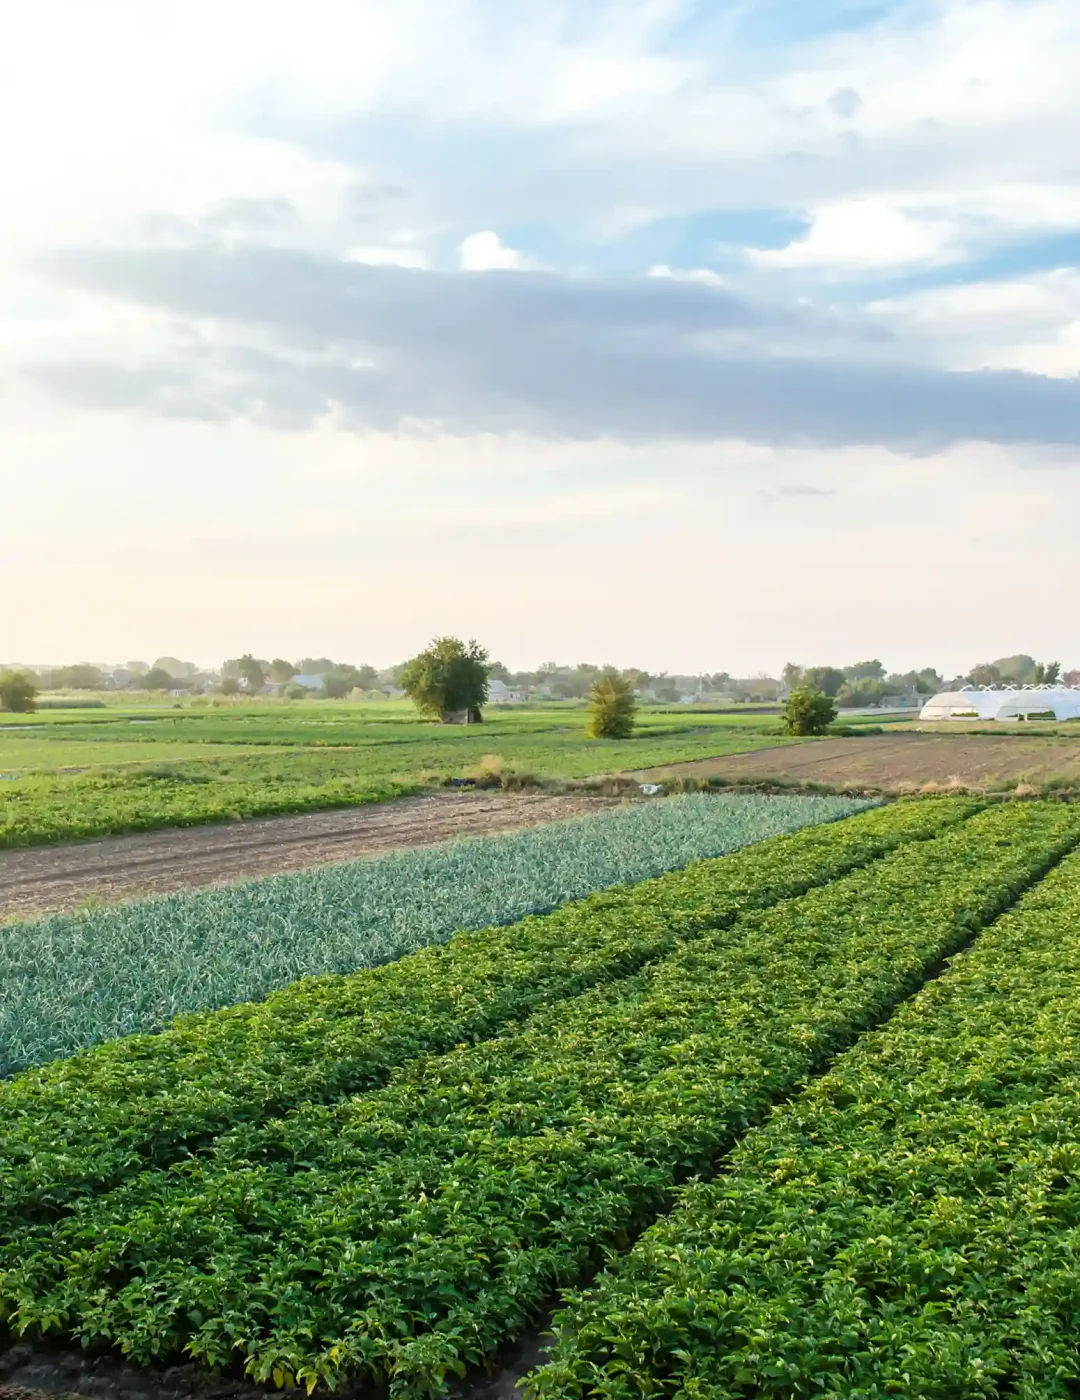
{"x": 891, "y": 762}
{"x": 111, "y": 869}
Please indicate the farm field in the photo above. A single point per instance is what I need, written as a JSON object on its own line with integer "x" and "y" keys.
{"x": 76, "y": 979}
{"x": 390, "y": 1175}
{"x": 47, "y": 879}
{"x": 902, "y": 761}
{"x": 145, "y": 769}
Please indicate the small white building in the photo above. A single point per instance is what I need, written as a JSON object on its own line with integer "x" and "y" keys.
{"x": 308, "y": 682}
{"x": 499, "y": 693}
{"x": 1004, "y": 702}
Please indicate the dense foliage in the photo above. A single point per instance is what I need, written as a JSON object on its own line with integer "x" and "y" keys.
{"x": 612, "y": 709}
{"x": 18, "y": 693}
{"x": 450, "y": 677}
{"x": 907, "y": 1226}
{"x": 808, "y": 712}
{"x": 406, "y": 1232}
{"x": 73, "y": 980}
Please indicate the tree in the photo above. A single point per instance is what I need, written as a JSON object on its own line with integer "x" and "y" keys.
{"x": 231, "y": 686}
{"x": 251, "y": 672}
{"x": 1048, "y": 673}
{"x": 367, "y": 678}
{"x": 449, "y": 678}
{"x": 826, "y": 679}
{"x": 18, "y": 693}
{"x": 155, "y": 679}
{"x": 281, "y": 670}
{"x": 612, "y": 709}
{"x": 791, "y": 675}
{"x": 81, "y": 676}
{"x": 864, "y": 671}
{"x": 808, "y": 711}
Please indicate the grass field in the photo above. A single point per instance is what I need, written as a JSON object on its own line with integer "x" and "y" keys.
{"x": 841, "y": 1064}
{"x": 142, "y": 768}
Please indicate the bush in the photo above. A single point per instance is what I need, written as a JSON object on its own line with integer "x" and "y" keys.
{"x": 808, "y": 712}
{"x": 18, "y": 693}
{"x": 612, "y": 708}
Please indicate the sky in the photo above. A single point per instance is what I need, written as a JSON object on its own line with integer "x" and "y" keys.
{"x": 687, "y": 335}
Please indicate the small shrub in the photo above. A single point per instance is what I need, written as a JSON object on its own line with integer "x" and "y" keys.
{"x": 18, "y": 693}
{"x": 612, "y": 709}
{"x": 808, "y": 712}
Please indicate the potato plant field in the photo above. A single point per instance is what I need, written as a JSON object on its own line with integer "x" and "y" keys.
{"x": 798, "y": 1120}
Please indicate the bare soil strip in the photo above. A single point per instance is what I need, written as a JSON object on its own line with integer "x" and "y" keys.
{"x": 111, "y": 869}
{"x": 895, "y": 762}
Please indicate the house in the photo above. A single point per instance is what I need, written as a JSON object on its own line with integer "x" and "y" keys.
{"x": 499, "y": 693}
{"x": 308, "y": 682}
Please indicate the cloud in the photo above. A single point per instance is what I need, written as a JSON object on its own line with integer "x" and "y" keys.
{"x": 704, "y": 275}
{"x": 641, "y": 359}
{"x": 390, "y": 257}
{"x": 485, "y": 252}
{"x": 864, "y": 234}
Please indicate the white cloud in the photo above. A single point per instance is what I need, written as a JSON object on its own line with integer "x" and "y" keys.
{"x": 863, "y": 235}
{"x": 485, "y": 252}
{"x": 390, "y": 257}
{"x": 1030, "y": 323}
{"x": 704, "y": 275}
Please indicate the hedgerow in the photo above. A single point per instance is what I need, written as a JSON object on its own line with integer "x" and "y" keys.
{"x": 908, "y": 1226}
{"x": 75, "y": 980}
{"x": 405, "y": 1233}
{"x": 84, "y": 1123}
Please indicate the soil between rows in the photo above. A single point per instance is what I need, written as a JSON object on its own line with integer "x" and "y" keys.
{"x": 895, "y": 762}
{"x": 112, "y": 869}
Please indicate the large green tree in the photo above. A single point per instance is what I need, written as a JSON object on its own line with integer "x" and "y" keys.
{"x": 449, "y": 678}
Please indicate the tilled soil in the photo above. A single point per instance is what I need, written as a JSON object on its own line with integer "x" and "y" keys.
{"x": 111, "y": 869}
{"x": 897, "y": 762}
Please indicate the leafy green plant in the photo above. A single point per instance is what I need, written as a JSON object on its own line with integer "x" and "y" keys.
{"x": 808, "y": 712}
{"x": 612, "y": 709}
{"x": 906, "y": 1226}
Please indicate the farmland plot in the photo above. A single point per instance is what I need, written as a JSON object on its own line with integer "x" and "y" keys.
{"x": 405, "y": 1231}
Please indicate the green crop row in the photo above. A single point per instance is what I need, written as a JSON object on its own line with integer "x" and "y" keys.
{"x": 75, "y": 980}
{"x": 82, "y": 1124}
{"x": 910, "y": 1226}
{"x": 406, "y": 1233}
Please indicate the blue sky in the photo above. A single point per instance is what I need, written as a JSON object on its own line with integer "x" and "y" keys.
{"x": 640, "y": 302}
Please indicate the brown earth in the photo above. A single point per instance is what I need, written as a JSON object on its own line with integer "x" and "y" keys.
{"x": 111, "y": 869}
{"x": 897, "y": 762}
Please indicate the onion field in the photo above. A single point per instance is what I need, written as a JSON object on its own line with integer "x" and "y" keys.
{"x": 798, "y": 1120}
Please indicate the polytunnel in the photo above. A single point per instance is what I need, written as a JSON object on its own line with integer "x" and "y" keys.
{"x": 1005, "y": 703}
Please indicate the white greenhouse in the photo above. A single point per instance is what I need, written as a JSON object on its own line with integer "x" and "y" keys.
{"x": 1005, "y": 703}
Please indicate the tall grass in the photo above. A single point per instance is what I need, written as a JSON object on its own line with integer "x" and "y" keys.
{"x": 72, "y": 980}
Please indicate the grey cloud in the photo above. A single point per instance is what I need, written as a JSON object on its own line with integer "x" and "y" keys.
{"x": 638, "y": 360}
